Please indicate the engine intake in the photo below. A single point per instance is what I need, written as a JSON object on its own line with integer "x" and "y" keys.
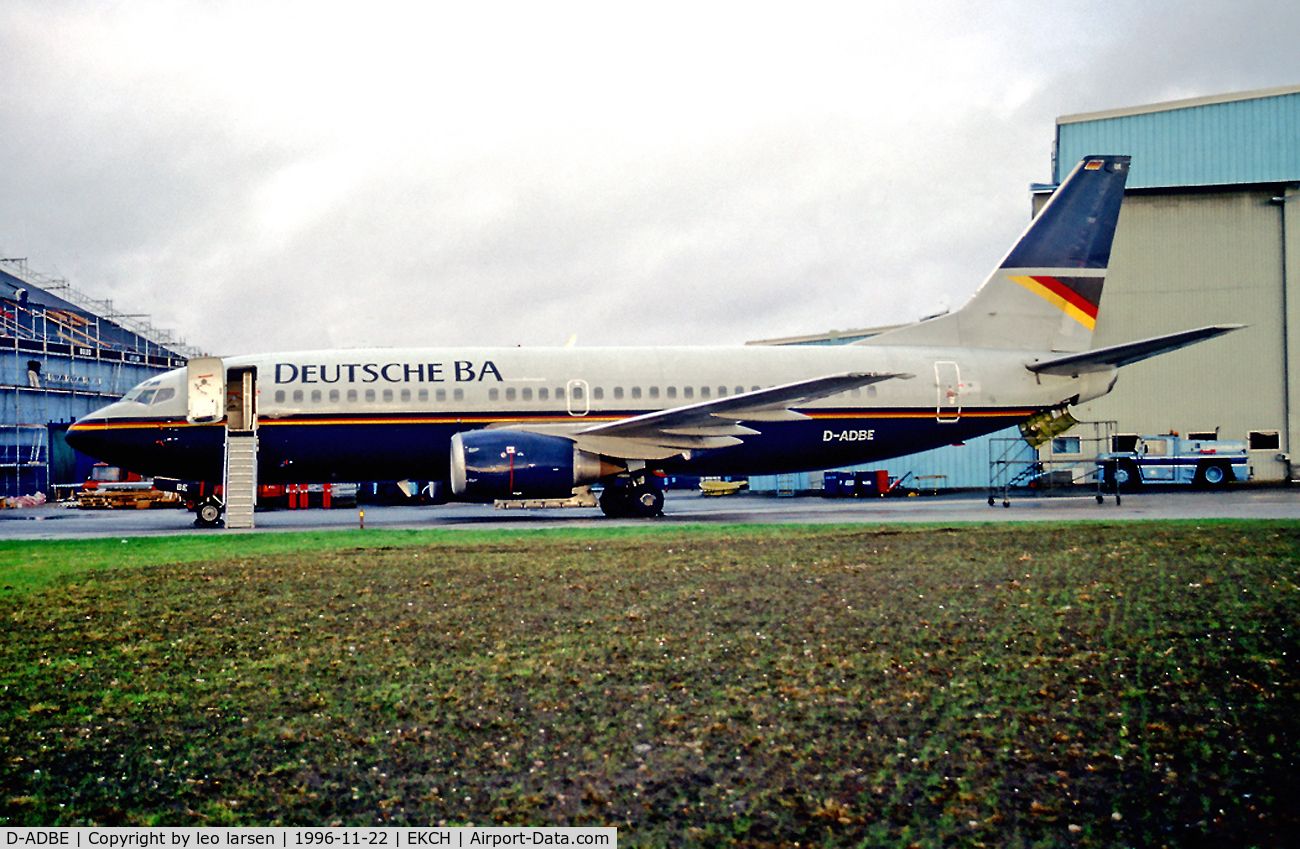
{"x": 491, "y": 464}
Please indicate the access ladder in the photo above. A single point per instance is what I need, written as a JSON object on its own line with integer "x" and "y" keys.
{"x": 240, "y": 478}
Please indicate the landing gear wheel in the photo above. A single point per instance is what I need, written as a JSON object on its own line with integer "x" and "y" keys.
{"x": 616, "y": 502}
{"x": 208, "y": 513}
{"x": 639, "y": 499}
{"x": 647, "y": 501}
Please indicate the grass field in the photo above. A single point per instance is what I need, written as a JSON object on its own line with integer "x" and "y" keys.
{"x": 1090, "y": 685}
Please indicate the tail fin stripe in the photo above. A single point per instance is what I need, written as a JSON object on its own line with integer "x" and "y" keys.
{"x": 1058, "y": 265}
{"x": 1063, "y": 294}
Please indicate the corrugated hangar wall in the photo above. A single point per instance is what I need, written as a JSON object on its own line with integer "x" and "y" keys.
{"x": 1185, "y": 261}
{"x": 1197, "y": 247}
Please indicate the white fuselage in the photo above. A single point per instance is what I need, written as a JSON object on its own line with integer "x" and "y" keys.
{"x": 382, "y": 414}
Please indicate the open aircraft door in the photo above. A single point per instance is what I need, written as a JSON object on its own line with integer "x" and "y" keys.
{"x": 241, "y": 399}
{"x": 206, "y": 390}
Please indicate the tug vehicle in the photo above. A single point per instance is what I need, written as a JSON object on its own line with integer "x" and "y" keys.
{"x": 1169, "y": 459}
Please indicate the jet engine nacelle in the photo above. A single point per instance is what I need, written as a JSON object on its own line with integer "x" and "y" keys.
{"x": 491, "y": 464}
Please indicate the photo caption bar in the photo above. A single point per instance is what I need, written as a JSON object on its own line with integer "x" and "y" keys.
{"x": 292, "y": 837}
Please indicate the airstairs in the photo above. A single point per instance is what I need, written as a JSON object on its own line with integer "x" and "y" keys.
{"x": 227, "y": 397}
{"x": 240, "y": 478}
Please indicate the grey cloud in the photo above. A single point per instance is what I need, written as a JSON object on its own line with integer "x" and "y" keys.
{"x": 481, "y": 205}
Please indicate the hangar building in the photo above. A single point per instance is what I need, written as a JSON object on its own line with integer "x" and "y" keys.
{"x": 63, "y": 355}
{"x": 1209, "y": 234}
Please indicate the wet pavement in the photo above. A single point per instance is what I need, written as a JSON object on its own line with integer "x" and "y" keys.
{"x": 55, "y": 521}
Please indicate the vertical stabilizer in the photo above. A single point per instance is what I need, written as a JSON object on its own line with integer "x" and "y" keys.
{"x": 1044, "y": 294}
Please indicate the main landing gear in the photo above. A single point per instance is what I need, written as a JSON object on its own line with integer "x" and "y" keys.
{"x": 632, "y": 498}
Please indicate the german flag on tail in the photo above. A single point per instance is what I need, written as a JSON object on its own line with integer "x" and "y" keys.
{"x": 1077, "y": 297}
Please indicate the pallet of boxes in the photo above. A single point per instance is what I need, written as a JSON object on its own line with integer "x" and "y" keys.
{"x": 139, "y": 496}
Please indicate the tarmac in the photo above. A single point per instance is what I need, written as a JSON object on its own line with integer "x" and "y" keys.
{"x": 58, "y": 521}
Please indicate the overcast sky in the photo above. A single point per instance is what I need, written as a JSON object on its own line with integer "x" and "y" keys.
{"x": 271, "y": 175}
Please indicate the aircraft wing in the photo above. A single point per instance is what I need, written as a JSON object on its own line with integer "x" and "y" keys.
{"x": 1115, "y": 356}
{"x": 712, "y": 424}
{"x": 706, "y": 424}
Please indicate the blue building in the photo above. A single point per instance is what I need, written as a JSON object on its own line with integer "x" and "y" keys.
{"x": 63, "y": 355}
{"x": 1209, "y": 234}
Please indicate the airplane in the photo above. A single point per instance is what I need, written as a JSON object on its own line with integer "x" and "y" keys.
{"x": 518, "y": 423}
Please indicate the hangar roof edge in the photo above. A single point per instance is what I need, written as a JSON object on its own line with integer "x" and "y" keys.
{"x": 1189, "y": 103}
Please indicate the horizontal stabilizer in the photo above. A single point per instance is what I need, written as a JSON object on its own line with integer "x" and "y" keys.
{"x": 1103, "y": 359}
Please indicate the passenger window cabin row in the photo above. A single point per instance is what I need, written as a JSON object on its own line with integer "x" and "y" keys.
{"x": 543, "y": 394}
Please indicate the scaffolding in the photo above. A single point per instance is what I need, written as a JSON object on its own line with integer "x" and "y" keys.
{"x": 1063, "y": 464}
{"x": 30, "y": 419}
{"x": 25, "y": 459}
{"x": 62, "y": 355}
{"x": 95, "y": 330}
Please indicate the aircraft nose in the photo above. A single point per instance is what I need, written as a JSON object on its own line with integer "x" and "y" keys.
{"x": 89, "y": 434}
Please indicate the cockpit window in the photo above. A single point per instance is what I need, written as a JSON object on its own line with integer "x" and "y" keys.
{"x": 149, "y": 393}
{"x": 142, "y": 393}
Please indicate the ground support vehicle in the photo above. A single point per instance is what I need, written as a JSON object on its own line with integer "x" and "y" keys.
{"x": 1169, "y": 459}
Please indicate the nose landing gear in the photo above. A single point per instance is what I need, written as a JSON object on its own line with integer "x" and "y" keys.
{"x": 208, "y": 512}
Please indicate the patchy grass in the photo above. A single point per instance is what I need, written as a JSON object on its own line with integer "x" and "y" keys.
{"x": 1090, "y": 685}
{"x": 26, "y": 565}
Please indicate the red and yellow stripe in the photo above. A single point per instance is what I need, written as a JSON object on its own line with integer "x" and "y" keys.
{"x": 1060, "y": 296}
